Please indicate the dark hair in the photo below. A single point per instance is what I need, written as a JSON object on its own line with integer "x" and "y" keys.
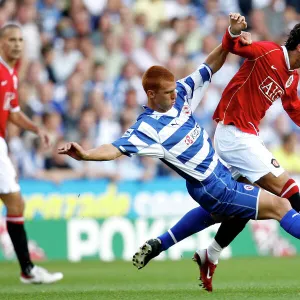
{"x": 46, "y": 49}
{"x": 286, "y": 138}
{"x": 293, "y": 38}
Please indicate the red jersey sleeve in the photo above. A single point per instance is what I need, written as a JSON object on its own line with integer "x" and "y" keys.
{"x": 256, "y": 49}
{"x": 291, "y": 104}
{"x": 14, "y": 104}
{"x": 14, "y": 101}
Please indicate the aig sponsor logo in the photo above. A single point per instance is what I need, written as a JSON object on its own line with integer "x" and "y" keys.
{"x": 271, "y": 89}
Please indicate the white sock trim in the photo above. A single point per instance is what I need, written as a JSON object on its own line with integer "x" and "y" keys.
{"x": 15, "y": 219}
{"x": 288, "y": 189}
{"x": 214, "y": 251}
{"x": 172, "y": 236}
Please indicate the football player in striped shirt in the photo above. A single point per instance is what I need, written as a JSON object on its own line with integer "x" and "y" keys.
{"x": 167, "y": 130}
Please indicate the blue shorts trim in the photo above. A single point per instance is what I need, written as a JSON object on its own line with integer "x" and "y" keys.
{"x": 224, "y": 196}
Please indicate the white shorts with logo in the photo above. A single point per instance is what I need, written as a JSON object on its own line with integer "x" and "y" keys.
{"x": 8, "y": 183}
{"x": 245, "y": 153}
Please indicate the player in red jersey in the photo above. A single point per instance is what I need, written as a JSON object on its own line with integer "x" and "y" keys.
{"x": 267, "y": 74}
{"x": 11, "y": 44}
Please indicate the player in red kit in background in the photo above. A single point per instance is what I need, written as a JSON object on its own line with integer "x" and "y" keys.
{"x": 11, "y": 45}
{"x": 267, "y": 74}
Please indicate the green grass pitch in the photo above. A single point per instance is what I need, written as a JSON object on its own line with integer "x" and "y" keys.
{"x": 239, "y": 278}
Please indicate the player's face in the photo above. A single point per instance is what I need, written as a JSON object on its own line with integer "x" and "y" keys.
{"x": 12, "y": 44}
{"x": 165, "y": 97}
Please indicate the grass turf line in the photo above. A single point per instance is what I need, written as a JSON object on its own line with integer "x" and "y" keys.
{"x": 244, "y": 278}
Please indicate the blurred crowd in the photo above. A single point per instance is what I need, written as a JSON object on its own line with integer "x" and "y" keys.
{"x": 80, "y": 76}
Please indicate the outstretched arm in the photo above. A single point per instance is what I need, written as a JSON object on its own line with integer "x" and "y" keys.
{"x": 103, "y": 153}
{"x": 232, "y": 41}
{"x": 217, "y": 57}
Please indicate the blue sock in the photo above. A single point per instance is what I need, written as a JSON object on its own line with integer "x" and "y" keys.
{"x": 194, "y": 221}
{"x": 291, "y": 223}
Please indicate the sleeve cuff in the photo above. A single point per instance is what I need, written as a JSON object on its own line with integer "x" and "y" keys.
{"x": 121, "y": 148}
{"x": 209, "y": 70}
{"x": 15, "y": 109}
{"x": 233, "y": 35}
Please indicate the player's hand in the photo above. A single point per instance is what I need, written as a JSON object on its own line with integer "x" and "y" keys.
{"x": 74, "y": 150}
{"x": 44, "y": 138}
{"x": 245, "y": 38}
{"x": 237, "y": 23}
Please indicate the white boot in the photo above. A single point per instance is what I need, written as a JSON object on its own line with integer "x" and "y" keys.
{"x": 41, "y": 275}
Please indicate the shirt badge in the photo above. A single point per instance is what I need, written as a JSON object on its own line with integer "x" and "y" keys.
{"x": 289, "y": 82}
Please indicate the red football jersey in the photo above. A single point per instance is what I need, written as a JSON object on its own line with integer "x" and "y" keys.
{"x": 264, "y": 77}
{"x": 8, "y": 94}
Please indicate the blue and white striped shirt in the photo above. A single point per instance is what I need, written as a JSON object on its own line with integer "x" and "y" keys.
{"x": 174, "y": 136}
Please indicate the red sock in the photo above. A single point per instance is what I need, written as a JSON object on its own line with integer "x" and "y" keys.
{"x": 291, "y": 192}
{"x": 289, "y": 189}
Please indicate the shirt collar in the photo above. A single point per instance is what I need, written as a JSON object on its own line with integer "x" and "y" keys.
{"x": 286, "y": 57}
{"x": 154, "y": 112}
{"x": 2, "y": 61}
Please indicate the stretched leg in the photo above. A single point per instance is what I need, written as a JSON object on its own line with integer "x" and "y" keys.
{"x": 270, "y": 207}
{"x": 280, "y": 209}
{"x": 194, "y": 221}
{"x": 226, "y": 233}
{"x": 257, "y": 163}
{"x": 16, "y": 230}
{"x": 282, "y": 186}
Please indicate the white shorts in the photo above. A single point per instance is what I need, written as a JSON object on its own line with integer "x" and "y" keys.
{"x": 8, "y": 183}
{"x": 245, "y": 153}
